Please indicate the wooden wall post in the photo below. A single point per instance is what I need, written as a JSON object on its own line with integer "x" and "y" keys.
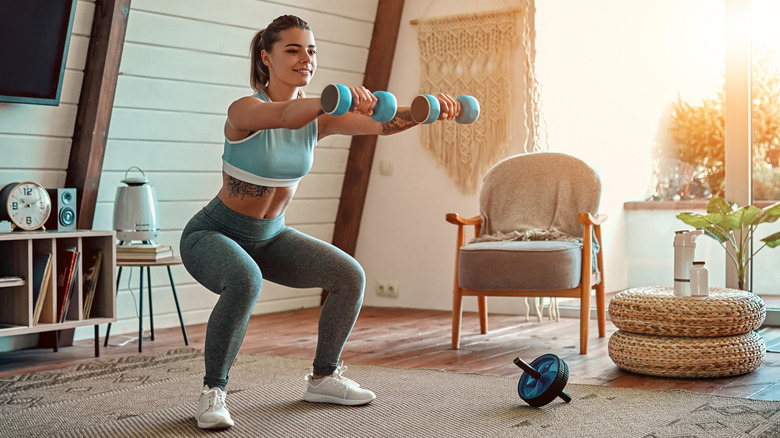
{"x": 361, "y": 151}
{"x": 95, "y": 105}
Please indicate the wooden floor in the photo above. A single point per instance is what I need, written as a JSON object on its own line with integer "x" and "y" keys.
{"x": 411, "y": 338}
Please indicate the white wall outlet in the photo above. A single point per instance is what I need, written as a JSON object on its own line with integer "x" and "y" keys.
{"x": 387, "y": 289}
{"x": 392, "y": 289}
{"x": 381, "y": 288}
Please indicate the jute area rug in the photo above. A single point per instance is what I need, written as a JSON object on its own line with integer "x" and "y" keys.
{"x": 155, "y": 396}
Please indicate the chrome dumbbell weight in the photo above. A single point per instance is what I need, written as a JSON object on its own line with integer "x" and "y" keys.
{"x": 426, "y": 109}
{"x": 336, "y": 99}
{"x": 543, "y": 380}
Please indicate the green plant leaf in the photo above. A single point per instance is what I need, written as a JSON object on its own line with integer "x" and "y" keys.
{"x": 741, "y": 218}
{"x": 773, "y": 240}
{"x": 716, "y": 233}
{"x": 699, "y": 221}
{"x": 710, "y": 223}
{"x": 769, "y": 214}
{"x": 719, "y": 205}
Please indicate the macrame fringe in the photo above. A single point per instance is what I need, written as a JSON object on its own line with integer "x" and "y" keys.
{"x": 469, "y": 54}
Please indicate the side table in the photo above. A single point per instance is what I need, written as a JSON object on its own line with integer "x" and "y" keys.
{"x": 661, "y": 334}
{"x": 148, "y": 265}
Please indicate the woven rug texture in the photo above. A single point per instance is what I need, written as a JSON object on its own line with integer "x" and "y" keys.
{"x": 155, "y": 396}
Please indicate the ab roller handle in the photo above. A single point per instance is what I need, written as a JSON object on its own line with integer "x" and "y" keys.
{"x": 336, "y": 100}
{"x": 426, "y": 109}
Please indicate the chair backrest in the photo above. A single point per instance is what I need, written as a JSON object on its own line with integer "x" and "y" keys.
{"x": 540, "y": 190}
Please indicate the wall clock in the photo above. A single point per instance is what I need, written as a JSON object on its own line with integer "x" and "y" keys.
{"x": 26, "y": 204}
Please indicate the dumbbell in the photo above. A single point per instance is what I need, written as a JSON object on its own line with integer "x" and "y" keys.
{"x": 543, "y": 380}
{"x": 336, "y": 99}
{"x": 426, "y": 109}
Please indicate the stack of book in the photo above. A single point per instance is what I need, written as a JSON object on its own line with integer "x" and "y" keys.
{"x": 144, "y": 252}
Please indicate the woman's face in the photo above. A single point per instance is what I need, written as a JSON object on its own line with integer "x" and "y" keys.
{"x": 293, "y": 58}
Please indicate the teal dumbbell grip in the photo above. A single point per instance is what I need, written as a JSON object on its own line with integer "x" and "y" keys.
{"x": 469, "y": 109}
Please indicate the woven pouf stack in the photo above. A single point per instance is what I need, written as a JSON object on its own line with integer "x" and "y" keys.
{"x": 661, "y": 334}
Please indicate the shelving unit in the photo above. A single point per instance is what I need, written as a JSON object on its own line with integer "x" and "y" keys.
{"x": 16, "y": 298}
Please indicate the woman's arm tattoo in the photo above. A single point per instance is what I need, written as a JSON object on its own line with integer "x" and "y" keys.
{"x": 401, "y": 122}
{"x": 240, "y": 188}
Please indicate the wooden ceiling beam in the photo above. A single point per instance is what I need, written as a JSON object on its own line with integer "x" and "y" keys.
{"x": 96, "y": 102}
{"x": 361, "y": 151}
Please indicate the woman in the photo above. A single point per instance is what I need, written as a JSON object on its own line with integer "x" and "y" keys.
{"x": 239, "y": 239}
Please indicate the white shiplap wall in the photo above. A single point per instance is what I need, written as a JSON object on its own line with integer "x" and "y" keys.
{"x": 183, "y": 63}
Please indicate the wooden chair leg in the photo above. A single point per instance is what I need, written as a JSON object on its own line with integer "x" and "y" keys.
{"x": 601, "y": 310}
{"x": 483, "y": 322}
{"x": 457, "y": 303}
{"x": 584, "y": 319}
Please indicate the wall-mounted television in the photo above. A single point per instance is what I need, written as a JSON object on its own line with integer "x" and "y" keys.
{"x": 34, "y": 38}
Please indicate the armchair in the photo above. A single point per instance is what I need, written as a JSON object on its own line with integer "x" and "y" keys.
{"x": 537, "y": 235}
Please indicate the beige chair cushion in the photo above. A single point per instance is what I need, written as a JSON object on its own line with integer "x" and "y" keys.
{"x": 537, "y": 264}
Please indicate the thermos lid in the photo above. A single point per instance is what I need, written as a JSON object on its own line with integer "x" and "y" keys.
{"x": 135, "y": 180}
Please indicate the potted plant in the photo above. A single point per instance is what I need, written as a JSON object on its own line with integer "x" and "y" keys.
{"x": 722, "y": 222}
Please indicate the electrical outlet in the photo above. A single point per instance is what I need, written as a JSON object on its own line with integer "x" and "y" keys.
{"x": 392, "y": 289}
{"x": 387, "y": 289}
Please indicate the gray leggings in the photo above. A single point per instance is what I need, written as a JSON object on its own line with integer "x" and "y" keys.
{"x": 231, "y": 254}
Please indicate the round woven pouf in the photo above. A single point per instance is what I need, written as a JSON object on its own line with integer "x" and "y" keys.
{"x": 675, "y": 356}
{"x": 657, "y": 311}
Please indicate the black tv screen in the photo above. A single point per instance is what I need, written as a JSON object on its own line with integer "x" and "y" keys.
{"x": 34, "y": 38}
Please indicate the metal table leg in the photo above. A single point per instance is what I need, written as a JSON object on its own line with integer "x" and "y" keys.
{"x": 178, "y": 309}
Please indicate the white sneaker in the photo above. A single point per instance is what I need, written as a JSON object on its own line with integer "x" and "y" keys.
{"x": 212, "y": 412}
{"x": 337, "y": 389}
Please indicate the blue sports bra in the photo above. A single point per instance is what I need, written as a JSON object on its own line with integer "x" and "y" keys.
{"x": 271, "y": 157}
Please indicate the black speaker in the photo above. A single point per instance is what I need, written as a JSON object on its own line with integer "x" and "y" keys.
{"x": 63, "y": 210}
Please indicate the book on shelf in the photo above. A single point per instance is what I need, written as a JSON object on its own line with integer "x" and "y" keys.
{"x": 67, "y": 261}
{"x": 143, "y": 253}
{"x": 93, "y": 262}
{"x": 41, "y": 282}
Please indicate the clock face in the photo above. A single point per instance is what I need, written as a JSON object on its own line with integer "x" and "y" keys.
{"x": 28, "y": 205}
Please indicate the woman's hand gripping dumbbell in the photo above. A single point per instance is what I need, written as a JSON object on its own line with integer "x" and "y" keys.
{"x": 337, "y": 99}
{"x": 427, "y": 108}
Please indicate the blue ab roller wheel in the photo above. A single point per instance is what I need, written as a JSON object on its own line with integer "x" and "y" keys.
{"x": 543, "y": 380}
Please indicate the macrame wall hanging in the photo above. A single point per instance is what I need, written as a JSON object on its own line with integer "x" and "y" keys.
{"x": 470, "y": 54}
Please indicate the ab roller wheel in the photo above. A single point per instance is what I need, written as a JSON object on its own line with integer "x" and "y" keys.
{"x": 336, "y": 100}
{"x": 543, "y": 380}
{"x": 426, "y": 109}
